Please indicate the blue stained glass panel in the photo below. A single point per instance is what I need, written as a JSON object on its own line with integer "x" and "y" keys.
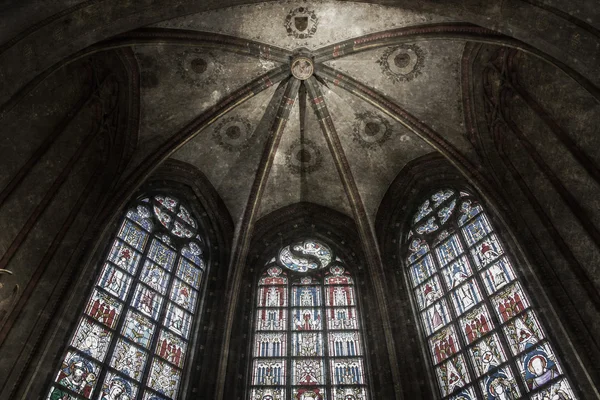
{"x": 417, "y": 248}
{"x": 560, "y": 390}
{"x": 140, "y": 220}
{"x": 435, "y": 317}
{"x": 147, "y": 301}
{"x": 131, "y": 233}
{"x": 178, "y": 320}
{"x": 184, "y": 295}
{"x": 306, "y": 296}
{"x": 523, "y": 332}
{"x": 117, "y": 388}
{"x": 104, "y": 308}
{"x": 77, "y": 374}
{"x": 124, "y": 257}
{"x": 487, "y": 354}
{"x": 449, "y": 250}
{"x": 341, "y": 318}
{"x": 424, "y": 210}
{"x": 347, "y": 371}
{"x": 114, "y": 281}
{"x": 476, "y": 230}
{"x": 422, "y": 270}
{"x": 155, "y": 277}
{"x": 499, "y": 385}
{"x": 164, "y": 378}
{"x": 446, "y": 212}
{"x": 270, "y": 344}
{"x": 468, "y": 211}
{"x": 452, "y": 375}
{"x": 538, "y": 366}
{"x": 498, "y": 275}
{"x": 306, "y": 319}
{"x": 466, "y": 394}
{"x": 466, "y": 296}
{"x": 269, "y": 372}
{"x": 162, "y": 254}
{"x": 339, "y": 296}
{"x": 138, "y": 329}
{"x": 429, "y": 292}
{"x": 441, "y": 196}
{"x": 193, "y": 253}
{"x": 92, "y": 339}
{"x": 427, "y": 227}
{"x": 171, "y": 348}
{"x": 487, "y": 251}
{"x": 128, "y": 360}
{"x": 307, "y": 344}
{"x": 271, "y": 319}
{"x": 457, "y": 273}
{"x": 344, "y": 344}
{"x": 189, "y": 273}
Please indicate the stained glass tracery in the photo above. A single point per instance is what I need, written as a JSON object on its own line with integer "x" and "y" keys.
{"x": 484, "y": 338}
{"x": 132, "y": 340}
{"x": 307, "y": 343}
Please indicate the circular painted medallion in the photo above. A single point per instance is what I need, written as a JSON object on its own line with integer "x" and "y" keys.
{"x": 302, "y": 67}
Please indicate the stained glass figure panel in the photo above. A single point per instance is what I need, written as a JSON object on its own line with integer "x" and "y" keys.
{"x": 162, "y": 255}
{"x": 115, "y": 387}
{"x": 183, "y": 295}
{"x": 444, "y": 344}
{"x": 418, "y": 248}
{"x": 487, "y": 354}
{"x": 435, "y": 317}
{"x": 466, "y": 296}
{"x": 310, "y": 392}
{"x": 509, "y": 302}
{"x": 465, "y": 394}
{"x": 147, "y": 301}
{"x": 476, "y": 230}
{"x": 131, "y": 233}
{"x": 189, "y": 273}
{"x": 193, "y": 253}
{"x": 164, "y": 218}
{"x": 308, "y": 371}
{"x": 487, "y": 251}
{"x": 500, "y": 384}
{"x": 306, "y": 296}
{"x": 476, "y": 323}
{"x": 429, "y": 226}
{"x": 124, "y": 257}
{"x": 58, "y": 393}
{"x": 452, "y": 375}
{"x": 422, "y": 270}
{"x": 344, "y": 344}
{"x": 424, "y": 210}
{"x": 171, "y": 348}
{"x": 271, "y": 319}
{"x": 77, "y": 374}
{"x": 468, "y": 210}
{"x": 178, "y": 320}
{"x": 560, "y": 390}
{"x": 538, "y": 366}
{"x": 138, "y": 329}
{"x": 269, "y": 372}
{"x": 441, "y": 196}
{"x": 339, "y": 296}
{"x": 272, "y": 296}
{"x": 268, "y": 393}
{"x": 128, "y": 360}
{"x": 429, "y": 292}
{"x": 523, "y": 332}
{"x": 114, "y": 281}
{"x": 349, "y": 393}
{"x": 92, "y": 339}
{"x": 155, "y": 277}
{"x": 449, "y": 250}
{"x": 270, "y": 344}
{"x": 104, "y": 308}
{"x": 347, "y": 371}
{"x": 139, "y": 218}
{"x": 498, "y": 275}
{"x": 306, "y": 319}
{"x": 164, "y": 378}
{"x": 307, "y": 344}
{"x": 446, "y": 212}
{"x": 458, "y": 272}
{"x": 341, "y": 318}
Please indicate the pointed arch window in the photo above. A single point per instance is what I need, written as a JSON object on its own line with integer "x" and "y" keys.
{"x": 483, "y": 336}
{"x": 307, "y": 340}
{"x": 133, "y": 337}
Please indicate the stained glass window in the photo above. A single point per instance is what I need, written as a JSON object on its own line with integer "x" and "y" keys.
{"x": 307, "y": 341}
{"x": 483, "y": 336}
{"x": 131, "y": 341}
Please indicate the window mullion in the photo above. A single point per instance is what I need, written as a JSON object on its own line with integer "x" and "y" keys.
{"x": 325, "y": 338}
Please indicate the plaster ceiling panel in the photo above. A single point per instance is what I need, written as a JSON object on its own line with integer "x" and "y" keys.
{"x": 293, "y": 24}
{"x": 377, "y": 147}
{"x": 228, "y": 152}
{"x": 423, "y": 78}
{"x": 304, "y": 169}
{"x": 179, "y": 83}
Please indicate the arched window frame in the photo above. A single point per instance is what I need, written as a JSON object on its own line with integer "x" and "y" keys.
{"x": 478, "y": 380}
{"x": 293, "y": 279}
{"x": 180, "y": 244}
